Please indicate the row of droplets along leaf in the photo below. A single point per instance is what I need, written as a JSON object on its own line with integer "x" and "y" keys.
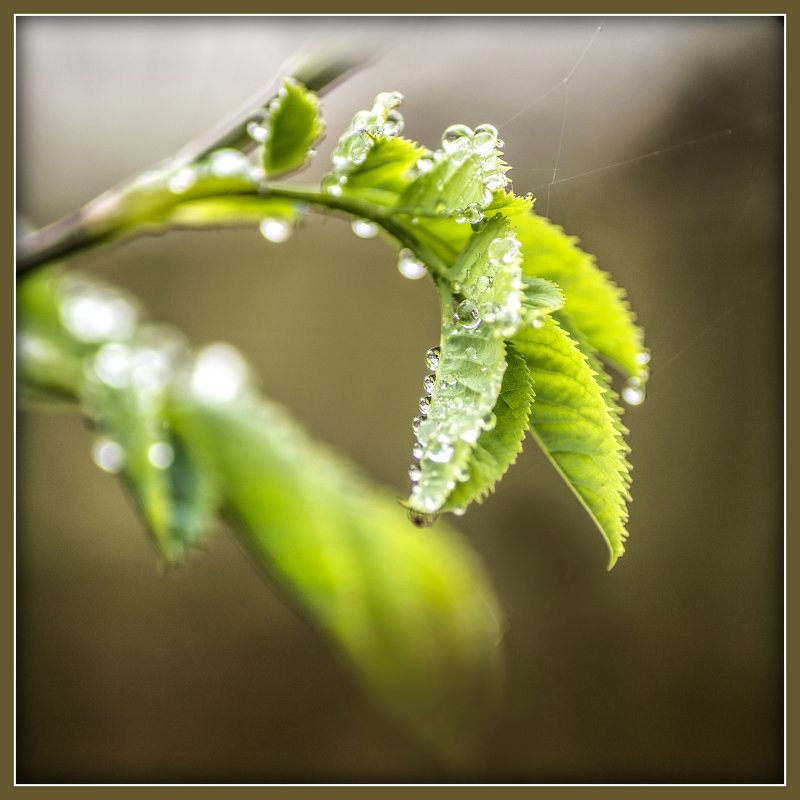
{"x": 446, "y": 430}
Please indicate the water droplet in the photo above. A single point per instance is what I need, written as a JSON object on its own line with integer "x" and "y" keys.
{"x": 473, "y": 213}
{"x": 108, "y": 455}
{"x": 355, "y": 148}
{"x": 97, "y": 313}
{"x": 161, "y": 455}
{"x": 537, "y": 321}
{"x": 416, "y": 422}
{"x": 425, "y": 404}
{"x": 257, "y": 131}
{"x": 388, "y": 100}
{"x": 459, "y": 511}
{"x": 461, "y": 474}
{"x": 456, "y": 137}
{"x": 470, "y": 436}
{"x": 150, "y": 370}
{"x": 643, "y": 357}
{"x": 219, "y": 375}
{"x": 430, "y": 504}
{"x": 432, "y": 357}
{"x": 334, "y": 189}
{"x": 227, "y": 163}
{"x": 633, "y": 392}
{"x": 112, "y": 365}
{"x": 488, "y": 128}
{"x": 424, "y": 164}
{"x": 274, "y": 229}
{"x": 364, "y": 229}
{"x": 415, "y": 473}
{"x": 495, "y": 180}
{"x": 504, "y": 250}
{"x": 487, "y": 197}
{"x": 471, "y": 353}
{"x": 429, "y": 383}
{"x": 416, "y": 451}
{"x": 485, "y": 139}
{"x": 410, "y": 266}
{"x": 441, "y": 452}
{"x": 394, "y": 124}
{"x": 467, "y": 315}
{"x": 489, "y": 423}
{"x": 182, "y": 180}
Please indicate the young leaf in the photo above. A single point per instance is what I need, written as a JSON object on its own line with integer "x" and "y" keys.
{"x": 410, "y": 611}
{"x": 497, "y": 448}
{"x": 384, "y": 173}
{"x": 447, "y": 187}
{"x": 572, "y": 423}
{"x": 292, "y": 126}
{"x": 459, "y": 178}
{"x": 595, "y": 303}
{"x": 472, "y": 361}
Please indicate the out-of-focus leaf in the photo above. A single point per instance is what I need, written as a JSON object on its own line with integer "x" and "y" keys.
{"x": 80, "y": 338}
{"x": 410, "y": 611}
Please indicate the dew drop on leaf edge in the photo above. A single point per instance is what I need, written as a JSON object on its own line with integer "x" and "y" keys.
{"x": 275, "y": 230}
{"x": 364, "y": 229}
{"x": 410, "y": 266}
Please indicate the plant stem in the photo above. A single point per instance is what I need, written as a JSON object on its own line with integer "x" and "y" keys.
{"x": 384, "y": 217}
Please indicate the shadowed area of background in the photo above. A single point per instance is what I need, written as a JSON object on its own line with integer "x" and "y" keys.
{"x": 668, "y": 668}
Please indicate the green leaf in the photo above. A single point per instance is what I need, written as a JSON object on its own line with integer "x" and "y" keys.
{"x": 497, "y": 449}
{"x": 454, "y": 178}
{"x": 384, "y": 173}
{"x": 411, "y": 612}
{"x": 472, "y": 360}
{"x": 541, "y": 295}
{"x": 446, "y": 188}
{"x": 81, "y": 339}
{"x": 595, "y": 303}
{"x": 294, "y": 125}
{"x": 572, "y": 422}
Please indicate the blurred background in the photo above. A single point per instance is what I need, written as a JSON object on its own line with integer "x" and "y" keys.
{"x": 666, "y": 145}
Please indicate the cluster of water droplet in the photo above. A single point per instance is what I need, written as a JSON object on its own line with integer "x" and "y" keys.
{"x": 460, "y": 142}
{"x": 367, "y": 126}
{"x": 634, "y": 390}
{"x": 494, "y": 296}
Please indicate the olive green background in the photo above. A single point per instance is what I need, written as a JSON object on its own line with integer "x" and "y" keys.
{"x": 667, "y": 669}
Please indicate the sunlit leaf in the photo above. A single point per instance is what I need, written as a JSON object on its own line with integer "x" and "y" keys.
{"x": 293, "y": 126}
{"x": 573, "y": 424}
{"x": 497, "y": 449}
{"x": 594, "y": 302}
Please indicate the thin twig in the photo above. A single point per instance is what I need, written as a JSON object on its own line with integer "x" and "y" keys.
{"x": 99, "y": 220}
